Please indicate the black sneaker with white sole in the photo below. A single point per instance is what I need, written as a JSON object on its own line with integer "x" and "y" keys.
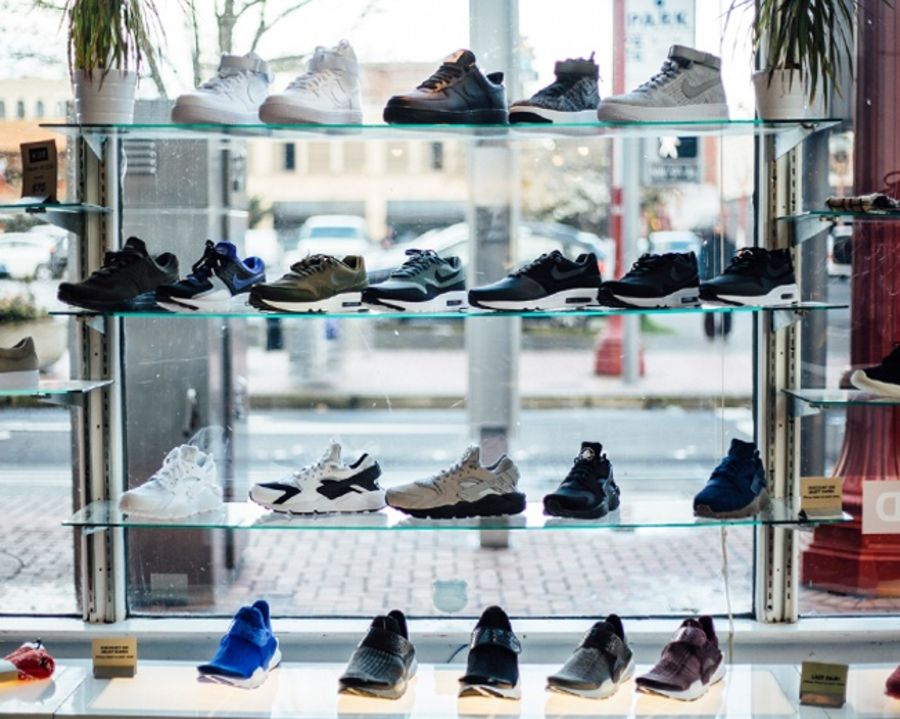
{"x": 599, "y": 666}
{"x": 755, "y": 276}
{"x": 492, "y": 669}
{"x": 671, "y": 281}
{"x": 426, "y": 282}
{"x": 572, "y": 97}
{"x": 384, "y": 662}
{"x": 882, "y": 379}
{"x": 551, "y": 282}
{"x": 589, "y": 491}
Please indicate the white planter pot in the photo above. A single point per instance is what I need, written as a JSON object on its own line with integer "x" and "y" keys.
{"x": 106, "y": 102}
{"x": 785, "y": 98}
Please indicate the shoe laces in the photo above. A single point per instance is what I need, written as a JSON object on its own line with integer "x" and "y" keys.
{"x": 174, "y": 467}
{"x": 745, "y": 260}
{"x": 644, "y": 265}
{"x": 443, "y": 76}
{"x": 311, "y": 265}
{"x": 207, "y": 264}
{"x": 224, "y": 80}
{"x": 582, "y": 471}
{"x": 546, "y": 258}
{"x": 115, "y": 261}
{"x": 728, "y": 469}
{"x": 669, "y": 71}
{"x": 418, "y": 261}
{"x": 314, "y": 470}
{"x": 312, "y": 80}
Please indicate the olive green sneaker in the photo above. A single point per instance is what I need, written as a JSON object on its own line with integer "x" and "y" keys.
{"x": 318, "y": 283}
{"x": 19, "y": 366}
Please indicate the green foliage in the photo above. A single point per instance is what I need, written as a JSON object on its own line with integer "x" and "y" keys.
{"x": 18, "y": 308}
{"x": 814, "y": 36}
{"x": 110, "y": 34}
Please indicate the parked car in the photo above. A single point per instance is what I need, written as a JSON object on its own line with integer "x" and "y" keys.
{"x": 26, "y": 255}
{"x": 336, "y": 235}
{"x": 840, "y": 251}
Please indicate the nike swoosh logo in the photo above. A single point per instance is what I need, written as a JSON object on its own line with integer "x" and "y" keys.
{"x": 444, "y": 278}
{"x": 240, "y": 284}
{"x": 559, "y": 276}
{"x": 692, "y": 91}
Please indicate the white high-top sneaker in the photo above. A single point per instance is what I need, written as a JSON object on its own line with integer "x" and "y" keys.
{"x": 232, "y": 97}
{"x": 326, "y": 94}
{"x": 184, "y": 485}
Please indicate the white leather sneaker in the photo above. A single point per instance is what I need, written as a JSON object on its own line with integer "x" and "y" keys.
{"x": 326, "y": 94}
{"x": 184, "y": 485}
{"x": 232, "y": 97}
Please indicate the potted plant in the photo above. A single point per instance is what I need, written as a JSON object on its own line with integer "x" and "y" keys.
{"x": 805, "y": 45}
{"x": 20, "y": 317}
{"x": 108, "y": 41}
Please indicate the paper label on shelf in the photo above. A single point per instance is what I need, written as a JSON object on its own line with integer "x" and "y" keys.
{"x": 823, "y": 685}
{"x": 881, "y": 506}
{"x": 39, "y": 170}
{"x": 821, "y": 496}
{"x": 115, "y": 657}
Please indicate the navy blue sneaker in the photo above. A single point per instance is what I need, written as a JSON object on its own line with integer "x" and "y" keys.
{"x": 248, "y": 652}
{"x": 737, "y": 487}
{"x": 215, "y": 280}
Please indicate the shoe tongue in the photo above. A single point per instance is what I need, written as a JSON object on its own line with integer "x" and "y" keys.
{"x": 190, "y": 453}
{"x": 462, "y": 57}
{"x": 332, "y": 454}
{"x": 590, "y": 451}
{"x": 690, "y": 631}
{"x": 741, "y": 450}
{"x": 135, "y": 245}
{"x": 387, "y": 623}
{"x": 472, "y": 456}
{"x": 495, "y": 617}
{"x": 227, "y": 249}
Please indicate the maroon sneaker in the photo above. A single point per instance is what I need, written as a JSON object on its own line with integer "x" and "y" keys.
{"x": 892, "y": 686}
{"x": 689, "y": 664}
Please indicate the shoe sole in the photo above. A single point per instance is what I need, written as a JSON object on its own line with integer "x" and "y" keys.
{"x": 344, "y": 302}
{"x": 566, "y": 300}
{"x": 693, "y": 692}
{"x": 554, "y": 508}
{"x": 620, "y": 112}
{"x": 412, "y": 116}
{"x": 489, "y": 690}
{"x": 218, "y": 302}
{"x": 540, "y": 115}
{"x": 759, "y": 503}
{"x": 348, "y": 504}
{"x": 380, "y": 691}
{"x": 783, "y": 295}
{"x": 212, "y": 505}
{"x": 447, "y": 302}
{"x": 495, "y": 505}
{"x": 21, "y": 379}
{"x": 255, "y": 680}
{"x": 604, "y": 691}
{"x": 862, "y": 381}
{"x": 281, "y": 113}
{"x": 689, "y": 297}
{"x": 198, "y": 115}
{"x": 93, "y": 305}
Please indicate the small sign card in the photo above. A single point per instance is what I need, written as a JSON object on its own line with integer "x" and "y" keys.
{"x": 823, "y": 685}
{"x": 115, "y": 657}
{"x": 39, "y": 170}
{"x": 821, "y": 496}
{"x": 881, "y": 506}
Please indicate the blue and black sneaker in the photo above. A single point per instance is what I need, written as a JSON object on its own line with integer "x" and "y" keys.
{"x": 737, "y": 487}
{"x": 248, "y": 652}
{"x": 215, "y": 280}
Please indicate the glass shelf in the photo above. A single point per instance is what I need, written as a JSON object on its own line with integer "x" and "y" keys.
{"x": 251, "y": 313}
{"x": 826, "y": 398}
{"x": 62, "y": 207}
{"x": 57, "y": 387}
{"x": 662, "y": 511}
{"x": 835, "y": 215}
{"x": 380, "y": 131}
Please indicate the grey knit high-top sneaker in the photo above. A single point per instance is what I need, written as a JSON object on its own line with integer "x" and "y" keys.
{"x": 572, "y": 97}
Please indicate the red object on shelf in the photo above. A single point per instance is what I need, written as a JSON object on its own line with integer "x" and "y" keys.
{"x": 841, "y": 558}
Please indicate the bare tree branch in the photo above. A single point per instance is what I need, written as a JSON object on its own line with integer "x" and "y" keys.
{"x": 264, "y": 26}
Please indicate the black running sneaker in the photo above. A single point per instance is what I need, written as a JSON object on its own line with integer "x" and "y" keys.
{"x": 882, "y": 379}
{"x": 493, "y": 665}
{"x": 599, "y": 666}
{"x": 754, "y": 277}
{"x": 383, "y": 662}
{"x": 670, "y": 280}
{"x": 551, "y": 282}
{"x": 426, "y": 282}
{"x": 458, "y": 92}
{"x": 572, "y": 97}
{"x": 589, "y": 491}
{"x": 125, "y": 274}
{"x": 218, "y": 280}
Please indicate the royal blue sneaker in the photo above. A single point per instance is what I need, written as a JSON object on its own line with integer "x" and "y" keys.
{"x": 737, "y": 487}
{"x": 248, "y": 652}
{"x": 215, "y": 281}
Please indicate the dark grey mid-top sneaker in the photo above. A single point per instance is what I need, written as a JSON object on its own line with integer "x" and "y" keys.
{"x": 19, "y": 366}
{"x": 599, "y": 665}
{"x": 572, "y": 97}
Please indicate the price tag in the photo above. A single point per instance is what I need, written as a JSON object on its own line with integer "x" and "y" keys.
{"x": 39, "y": 170}
{"x": 115, "y": 657}
{"x": 823, "y": 685}
{"x": 821, "y": 496}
